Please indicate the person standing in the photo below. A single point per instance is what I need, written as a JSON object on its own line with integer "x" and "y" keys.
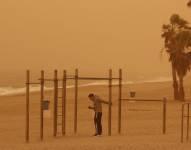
{"x": 97, "y": 107}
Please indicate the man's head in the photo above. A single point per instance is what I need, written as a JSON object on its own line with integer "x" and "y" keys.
{"x": 91, "y": 96}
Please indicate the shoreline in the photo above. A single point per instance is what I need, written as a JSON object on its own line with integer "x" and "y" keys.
{"x": 83, "y": 86}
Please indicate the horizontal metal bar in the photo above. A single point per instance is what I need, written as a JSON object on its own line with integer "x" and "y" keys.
{"x": 187, "y": 116}
{"x": 142, "y": 109}
{"x": 92, "y": 78}
{"x": 82, "y": 78}
{"x": 188, "y": 103}
{"x": 70, "y": 78}
{"x": 116, "y": 79}
{"x": 95, "y": 78}
{"x": 33, "y": 83}
{"x": 51, "y": 79}
{"x": 143, "y": 100}
{"x": 70, "y": 75}
{"x": 47, "y": 79}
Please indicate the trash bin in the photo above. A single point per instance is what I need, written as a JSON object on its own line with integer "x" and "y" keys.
{"x": 132, "y": 94}
{"x": 46, "y": 104}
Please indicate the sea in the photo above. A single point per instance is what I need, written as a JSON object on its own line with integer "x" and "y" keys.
{"x": 14, "y": 89}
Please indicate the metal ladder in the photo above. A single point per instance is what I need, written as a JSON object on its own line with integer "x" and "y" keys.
{"x": 60, "y": 106}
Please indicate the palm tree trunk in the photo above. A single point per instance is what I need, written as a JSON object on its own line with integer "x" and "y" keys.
{"x": 181, "y": 88}
{"x": 175, "y": 83}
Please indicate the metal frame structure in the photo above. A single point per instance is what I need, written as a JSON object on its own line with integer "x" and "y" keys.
{"x": 42, "y": 82}
{"x": 55, "y": 80}
{"x": 64, "y": 79}
{"x": 77, "y": 78}
{"x": 163, "y": 101}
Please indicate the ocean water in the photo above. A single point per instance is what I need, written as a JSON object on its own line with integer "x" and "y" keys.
{"x": 13, "y": 90}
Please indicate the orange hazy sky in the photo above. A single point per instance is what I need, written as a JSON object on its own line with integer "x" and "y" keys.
{"x": 91, "y": 35}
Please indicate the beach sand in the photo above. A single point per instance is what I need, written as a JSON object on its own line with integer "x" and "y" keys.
{"x": 141, "y": 122}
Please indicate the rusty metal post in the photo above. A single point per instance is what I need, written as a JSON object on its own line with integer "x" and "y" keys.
{"x": 76, "y": 102}
{"x": 119, "y": 101}
{"x": 110, "y": 102}
{"x": 55, "y": 102}
{"x": 27, "y": 131}
{"x": 188, "y": 121}
{"x": 41, "y": 105}
{"x": 64, "y": 103}
{"x": 182, "y": 124}
{"x": 164, "y": 115}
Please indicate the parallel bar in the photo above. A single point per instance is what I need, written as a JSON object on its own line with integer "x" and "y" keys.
{"x": 144, "y": 100}
{"x": 92, "y": 78}
{"x": 32, "y": 83}
{"x": 164, "y": 115}
{"x": 41, "y": 104}
{"x": 55, "y": 101}
{"x": 110, "y": 102}
{"x": 119, "y": 101}
{"x": 182, "y": 124}
{"x": 57, "y": 79}
{"x": 27, "y": 106}
{"x": 188, "y": 121}
{"x": 70, "y": 75}
{"x": 64, "y": 103}
{"x": 116, "y": 78}
{"x": 186, "y": 116}
{"x": 153, "y": 100}
{"x": 76, "y": 102}
{"x": 70, "y": 78}
{"x": 96, "y": 78}
{"x": 185, "y": 103}
{"x": 82, "y": 78}
{"x": 52, "y": 80}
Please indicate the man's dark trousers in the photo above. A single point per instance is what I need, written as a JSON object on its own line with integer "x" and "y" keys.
{"x": 97, "y": 122}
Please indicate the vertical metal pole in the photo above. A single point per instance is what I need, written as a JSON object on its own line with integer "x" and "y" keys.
{"x": 64, "y": 103}
{"x": 182, "y": 124}
{"x": 55, "y": 101}
{"x": 110, "y": 102}
{"x": 41, "y": 105}
{"x": 27, "y": 105}
{"x": 76, "y": 102}
{"x": 164, "y": 115}
{"x": 188, "y": 121}
{"x": 119, "y": 101}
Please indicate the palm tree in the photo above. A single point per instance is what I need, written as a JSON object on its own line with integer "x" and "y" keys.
{"x": 182, "y": 59}
{"x": 189, "y": 3}
{"x": 168, "y": 35}
{"x": 177, "y": 39}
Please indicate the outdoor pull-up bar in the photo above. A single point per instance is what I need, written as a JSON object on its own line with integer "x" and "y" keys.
{"x": 109, "y": 79}
{"x": 187, "y": 116}
{"x": 164, "y": 100}
{"x": 55, "y": 80}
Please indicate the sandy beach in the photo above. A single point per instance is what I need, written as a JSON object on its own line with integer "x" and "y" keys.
{"x": 93, "y": 45}
{"x": 141, "y": 122}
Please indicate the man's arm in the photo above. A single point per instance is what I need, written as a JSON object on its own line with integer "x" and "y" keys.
{"x": 105, "y": 102}
{"x": 90, "y": 107}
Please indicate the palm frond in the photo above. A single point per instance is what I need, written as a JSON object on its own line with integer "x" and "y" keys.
{"x": 189, "y": 3}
